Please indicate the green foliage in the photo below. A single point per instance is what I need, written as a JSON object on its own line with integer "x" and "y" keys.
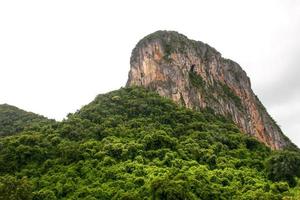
{"x": 13, "y": 188}
{"x": 14, "y": 120}
{"x": 231, "y": 95}
{"x": 166, "y": 189}
{"x": 294, "y": 193}
{"x": 284, "y": 166}
{"x": 134, "y": 144}
{"x": 196, "y": 80}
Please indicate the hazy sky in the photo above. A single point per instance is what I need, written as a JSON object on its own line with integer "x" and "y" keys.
{"x": 56, "y": 56}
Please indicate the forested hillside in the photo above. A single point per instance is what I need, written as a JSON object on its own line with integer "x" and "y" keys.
{"x": 134, "y": 144}
{"x": 14, "y": 120}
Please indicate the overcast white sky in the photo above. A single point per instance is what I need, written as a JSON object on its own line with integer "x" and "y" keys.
{"x": 56, "y": 56}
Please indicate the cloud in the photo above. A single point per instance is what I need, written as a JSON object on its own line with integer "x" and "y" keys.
{"x": 281, "y": 96}
{"x": 285, "y": 88}
{"x": 287, "y": 116}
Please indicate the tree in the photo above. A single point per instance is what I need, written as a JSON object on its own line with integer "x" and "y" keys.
{"x": 12, "y": 188}
{"x": 284, "y": 166}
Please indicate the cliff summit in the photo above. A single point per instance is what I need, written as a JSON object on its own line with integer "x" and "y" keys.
{"x": 195, "y": 75}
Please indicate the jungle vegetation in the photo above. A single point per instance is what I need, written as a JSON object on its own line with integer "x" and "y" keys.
{"x": 133, "y": 144}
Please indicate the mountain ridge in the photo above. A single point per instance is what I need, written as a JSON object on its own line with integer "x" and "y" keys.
{"x": 14, "y": 120}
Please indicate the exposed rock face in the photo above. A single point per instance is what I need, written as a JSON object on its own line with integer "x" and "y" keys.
{"x": 195, "y": 75}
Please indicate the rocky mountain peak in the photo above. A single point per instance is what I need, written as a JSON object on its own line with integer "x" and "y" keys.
{"x": 195, "y": 75}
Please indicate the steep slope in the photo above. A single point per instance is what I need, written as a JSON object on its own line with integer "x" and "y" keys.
{"x": 14, "y": 120}
{"x": 195, "y": 75}
{"x": 134, "y": 144}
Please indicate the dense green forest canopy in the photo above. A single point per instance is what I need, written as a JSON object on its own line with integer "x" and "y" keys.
{"x": 134, "y": 144}
{"x": 14, "y": 120}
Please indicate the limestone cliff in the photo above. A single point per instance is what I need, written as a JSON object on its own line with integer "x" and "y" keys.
{"x": 196, "y": 75}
